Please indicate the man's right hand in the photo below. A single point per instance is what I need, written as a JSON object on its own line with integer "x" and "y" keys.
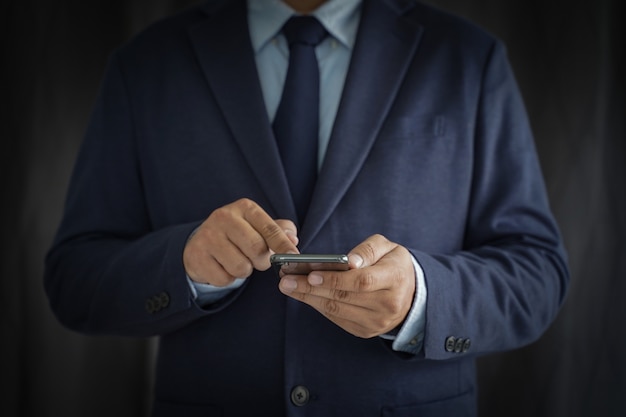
{"x": 234, "y": 240}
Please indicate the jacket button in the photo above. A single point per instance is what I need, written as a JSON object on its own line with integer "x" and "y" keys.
{"x": 157, "y": 303}
{"x": 300, "y": 396}
{"x": 458, "y": 346}
{"x": 164, "y": 298}
{"x": 450, "y": 343}
{"x": 466, "y": 345}
{"x": 150, "y": 306}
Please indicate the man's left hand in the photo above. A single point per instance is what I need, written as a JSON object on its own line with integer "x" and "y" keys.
{"x": 370, "y": 299}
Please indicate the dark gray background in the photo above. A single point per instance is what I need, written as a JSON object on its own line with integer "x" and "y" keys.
{"x": 568, "y": 57}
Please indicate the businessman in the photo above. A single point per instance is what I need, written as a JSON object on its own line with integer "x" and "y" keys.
{"x": 384, "y": 129}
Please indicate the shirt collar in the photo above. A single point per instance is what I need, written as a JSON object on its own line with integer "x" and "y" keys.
{"x": 267, "y": 17}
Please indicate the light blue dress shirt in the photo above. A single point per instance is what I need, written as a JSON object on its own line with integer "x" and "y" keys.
{"x": 341, "y": 20}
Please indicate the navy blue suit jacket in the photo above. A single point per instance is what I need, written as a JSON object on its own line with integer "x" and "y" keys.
{"x": 431, "y": 148}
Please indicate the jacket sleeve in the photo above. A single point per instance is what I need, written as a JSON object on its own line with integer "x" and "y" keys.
{"x": 507, "y": 284}
{"x": 110, "y": 270}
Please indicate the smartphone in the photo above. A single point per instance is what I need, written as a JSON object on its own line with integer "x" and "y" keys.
{"x": 302, "y": 264}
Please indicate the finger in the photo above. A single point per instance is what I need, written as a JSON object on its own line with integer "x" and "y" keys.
{"x": 299, "y": 287}
{"x": 245, "y": 240}
{"x": 211, "y": 258}
{"x": 231, "y": 240}
{"x": 370, "y": 251}
{"x": 255, "y": 233}
{"x": 364, "y": 280}
{"x": 325, "y": 300}
{"x": 275, "y": 238}
{"x": 290, "y": 229}
{"x": 206, "y": 269}
{"x": 346, "y": 315}
{"x": 355, "y": 319}
{"x": 219, "y": 276}
{"x": 232, "y": 260}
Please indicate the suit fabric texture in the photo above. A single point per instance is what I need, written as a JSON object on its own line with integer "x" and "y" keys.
{"x": 431, "y": 147}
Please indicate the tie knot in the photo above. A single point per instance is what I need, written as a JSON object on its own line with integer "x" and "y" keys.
{"x": 305, "y": 30}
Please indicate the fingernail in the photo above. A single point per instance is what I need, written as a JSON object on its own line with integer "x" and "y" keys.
{"x": 288, "y": 284}
{"x": 356, "y": 260}
{"x": 315, "y": 279}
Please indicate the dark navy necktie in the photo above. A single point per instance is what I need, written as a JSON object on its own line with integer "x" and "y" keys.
{"x": 296, "y": 123}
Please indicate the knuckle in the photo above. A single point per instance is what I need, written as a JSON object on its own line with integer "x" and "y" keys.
{"x": 333, "y": 280}
{"x": 372, "y": 334}
{"x": 241, "y": 268}
{"x": 258, "y": 246}
{"x": 221, "y": 215}
{"x": 300, "y": 296}
{"x": 331, "y": 307}
{"x": 369, "y": 251}
{"x": 274, "y": 237}
{"x": 246, "y": 204}
{"x": 374, "y": 247}
{"x": 366, "y": 333}
{"x": 271, "y": 230}
{"x": 251, "y": 209}
{"x": 286, "y": 224}
{"x": 365, "y": 282}
{"x": 221, "y": 280}
{"x": 376, "y": 236}
{"x": 392, "y": 305}
{"x": 381, "y": 325}
{"x": 341, "y": 295}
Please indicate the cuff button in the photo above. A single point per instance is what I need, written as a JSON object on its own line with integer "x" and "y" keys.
{"x": 450, "y": 343}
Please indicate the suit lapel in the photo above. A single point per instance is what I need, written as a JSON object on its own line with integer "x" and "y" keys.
{"x": 385, "y": 45}
{"x": 222, "y": 45}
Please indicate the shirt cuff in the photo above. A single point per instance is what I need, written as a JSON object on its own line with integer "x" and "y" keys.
{"x": 206, "y": 294}
{"x": 410, "y": 338}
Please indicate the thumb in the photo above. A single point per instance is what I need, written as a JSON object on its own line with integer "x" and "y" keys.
{"x": 370, "y": 251}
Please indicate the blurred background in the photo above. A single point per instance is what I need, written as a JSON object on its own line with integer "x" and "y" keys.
{"x": 569, "y": 60}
